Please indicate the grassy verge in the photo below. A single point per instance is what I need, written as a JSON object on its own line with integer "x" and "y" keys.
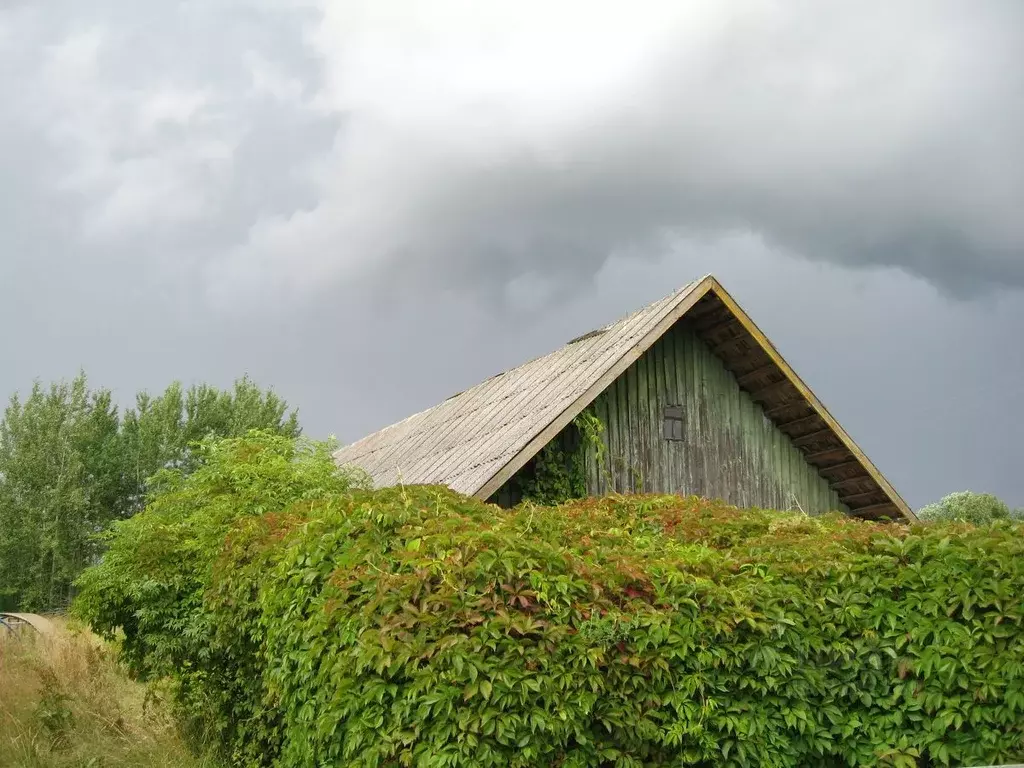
{"x": 64, "y": 702}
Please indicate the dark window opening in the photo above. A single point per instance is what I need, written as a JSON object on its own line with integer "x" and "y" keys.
{"x": 673, "y": 424}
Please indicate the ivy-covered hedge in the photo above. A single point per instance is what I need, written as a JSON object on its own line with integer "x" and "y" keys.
{"x": 416, "y": 627}
{"x": 149, "y": 592}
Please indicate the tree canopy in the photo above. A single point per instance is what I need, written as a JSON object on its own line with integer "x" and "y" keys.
{"x": 71, "y": 462}
{"x": 970, "y": 507}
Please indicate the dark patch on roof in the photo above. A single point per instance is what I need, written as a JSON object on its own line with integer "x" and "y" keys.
{"x": 589, "y": 335}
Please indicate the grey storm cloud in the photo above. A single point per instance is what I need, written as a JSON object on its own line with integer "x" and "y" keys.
{"x": 282, "y": 148}
{"x": 859, "y": 134}
{"x": 331, "y": 194}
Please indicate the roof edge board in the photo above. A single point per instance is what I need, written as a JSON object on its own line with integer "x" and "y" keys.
{"x": 697, "y": 291}
{"x": 769, "y": 348}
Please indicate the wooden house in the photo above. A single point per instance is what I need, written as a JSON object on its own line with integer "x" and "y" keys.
{"x": 684, "y": 396}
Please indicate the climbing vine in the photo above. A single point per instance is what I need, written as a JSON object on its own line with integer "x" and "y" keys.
{"x": 559, "y": 470}
{"x": 591, "y": 430}
{"x": 556, "y": 477}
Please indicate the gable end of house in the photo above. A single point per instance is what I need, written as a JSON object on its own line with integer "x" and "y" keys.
{"x": 744, "y": 427}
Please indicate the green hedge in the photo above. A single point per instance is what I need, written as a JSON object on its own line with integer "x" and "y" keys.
{"x": 417, "y": 627}
{"x": 149, "y": 591}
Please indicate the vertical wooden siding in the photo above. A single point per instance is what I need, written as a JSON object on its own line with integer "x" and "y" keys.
{"x": 730, "y": 450}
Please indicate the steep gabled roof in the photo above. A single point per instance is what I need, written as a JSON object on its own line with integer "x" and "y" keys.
{"x": 476, "y": 440}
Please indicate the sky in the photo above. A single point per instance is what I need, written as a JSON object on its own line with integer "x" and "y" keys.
{"x": 370, "y": 206}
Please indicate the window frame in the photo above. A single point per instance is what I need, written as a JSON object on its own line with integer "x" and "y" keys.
{"x": 672, "y": 427}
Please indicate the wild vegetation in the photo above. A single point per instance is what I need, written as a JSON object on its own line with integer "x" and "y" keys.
{"x": 293, "y": 616}
{"x": 307, "y": 620}
{"x": 70, "y": 463}
{"x": 558, "y": 473}
{"x": 65, "y": 702}
{"x": 970, "y": 507}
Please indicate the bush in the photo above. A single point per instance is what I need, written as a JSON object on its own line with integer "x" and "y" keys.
{"x": 970, "y": 507}
{"x": 414, "y": 626}
{"x": 158, "y": 564}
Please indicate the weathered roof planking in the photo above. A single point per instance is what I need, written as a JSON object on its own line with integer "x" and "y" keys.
{"x": 475, "y": 441}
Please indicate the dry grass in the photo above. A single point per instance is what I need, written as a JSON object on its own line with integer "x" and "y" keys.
{"x": 65, "y": 703}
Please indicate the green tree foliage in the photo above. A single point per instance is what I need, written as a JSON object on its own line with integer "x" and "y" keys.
{"x": 308, "y": 624}
{"x": 160, "y": 431}
{"x": 69, "y": 464}
{"x": 970, "y": 507}
{"x": 60, "y": 480}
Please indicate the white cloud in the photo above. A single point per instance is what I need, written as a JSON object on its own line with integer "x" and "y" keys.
{"x": 494, "y": 140}
{"x": 171, "y": 105}
{"x": 75, "y": 58}
{"x": 506, "y": 67}
{"x": 6, "y": 33}
{"x": 268, "y": 80}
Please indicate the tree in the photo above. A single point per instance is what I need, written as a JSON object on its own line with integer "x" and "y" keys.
{"x": 60, "y": 476}
{"x": 70, "y": 464}
{"x": 970, "y": 507}
{"x": 161, "y": 432}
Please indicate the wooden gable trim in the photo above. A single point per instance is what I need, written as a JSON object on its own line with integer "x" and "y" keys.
{"x": 813, "y": 401}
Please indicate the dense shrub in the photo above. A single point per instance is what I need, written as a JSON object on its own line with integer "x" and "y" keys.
{"x": 970, "y": 507}
{"x": 414, "y": 626}
{"x": 158, "y": 564}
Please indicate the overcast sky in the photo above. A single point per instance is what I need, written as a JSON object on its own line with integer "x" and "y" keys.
{"x": 372, "y": 205}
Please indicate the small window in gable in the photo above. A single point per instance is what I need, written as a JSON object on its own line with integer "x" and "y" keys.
{"x": 673, "y": 424}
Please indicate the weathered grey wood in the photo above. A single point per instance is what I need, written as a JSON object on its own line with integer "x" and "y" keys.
{"x": 862, "y": 496}
{"x": 875, "y": 510}
{"x": 798, "y": 422}
{"x": 642, "y": 410}
{"x": 730, "y": 449}
{"x": 756, "y": 374}
{"x": 666, "y": 383}
{"x": 813, "y": 437}
{"x": 841, "y": 450}
{"x": 684, "y": 386}
{"x": 852, "y": 464}
{"x": 656, "y": 384}
{"x": 625, "y": 454}
{"x": 761, "y": 392}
